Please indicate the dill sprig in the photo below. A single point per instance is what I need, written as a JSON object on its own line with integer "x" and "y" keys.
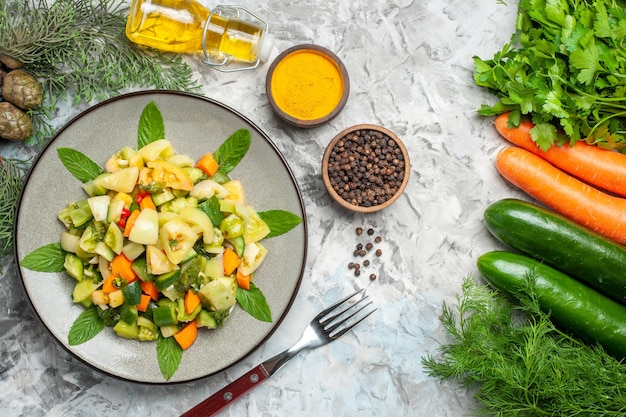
{"x": 78, "y": 49}
{"x": 12, "y": 174}
{"x": 521, "y": 364}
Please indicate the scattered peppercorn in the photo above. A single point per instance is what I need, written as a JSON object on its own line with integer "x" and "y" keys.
{"x": 362, "y": 252}
{"x": 378, "y": 239}
{"x": 372, "y": 277}
{"x": 359, "y": 246}
{"x": 359, "y": 231}
{"x": 351, "y": 265}
{"x": 366, "y": 263}
{"x": 366, "y": 168}
{"x": 379, "y": 252}
{"x": 369, "y": 246}
{"x": 357, "y": 272}
{"x": 370, "y": 232}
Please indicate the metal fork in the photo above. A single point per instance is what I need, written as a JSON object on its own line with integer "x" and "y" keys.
{"x": 328, "y": 325}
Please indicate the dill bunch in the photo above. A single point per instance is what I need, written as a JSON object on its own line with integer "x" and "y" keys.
{"x": 78, "y": 49}
{"x": 521, "y": 364}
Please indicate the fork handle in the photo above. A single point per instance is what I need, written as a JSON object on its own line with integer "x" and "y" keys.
{"x": 229, "y": 393}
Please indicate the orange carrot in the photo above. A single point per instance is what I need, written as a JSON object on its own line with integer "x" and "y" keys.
{"x": 600, "y": 167}
{"x": 192, "y": 301}
{"x": 208, "y": 164}
{"x": 122, "y": 267}
{"x": 231, "y": 261}
{"x": 150, "y": 289}
{"x": 243, "y": 281}
{"x": 187, "y": 335}
{"x": 107, "y": 285}
{"x": 146, "y": 202}
{"x": 144, "y": 303}
{"x": 586, "y": 205}
{"x": 130, "y": 222}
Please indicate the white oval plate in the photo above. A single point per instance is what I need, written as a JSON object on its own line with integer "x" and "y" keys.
{"x": 195, "y": 125}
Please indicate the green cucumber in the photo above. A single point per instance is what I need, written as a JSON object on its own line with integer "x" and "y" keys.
{"x": 560, "y": 242}
{"x": 572, "y": 305}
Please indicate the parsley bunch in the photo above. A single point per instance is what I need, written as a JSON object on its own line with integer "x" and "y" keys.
{"x": 565, "y": 68}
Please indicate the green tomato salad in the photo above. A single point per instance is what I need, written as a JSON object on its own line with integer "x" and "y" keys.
{"x": 162, "y": 244}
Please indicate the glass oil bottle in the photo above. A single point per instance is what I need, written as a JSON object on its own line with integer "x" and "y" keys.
{"x": 185, "y": 26}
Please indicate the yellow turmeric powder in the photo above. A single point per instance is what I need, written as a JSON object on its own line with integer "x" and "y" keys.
{"x": 307, "y": 85}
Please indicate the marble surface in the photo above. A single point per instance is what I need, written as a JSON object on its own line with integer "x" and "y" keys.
{"x": 410, "y": 66}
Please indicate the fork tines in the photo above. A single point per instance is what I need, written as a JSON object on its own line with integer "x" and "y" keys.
{"x": 345, "y": 316}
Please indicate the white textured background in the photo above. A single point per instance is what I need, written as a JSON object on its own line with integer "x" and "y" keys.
{"x": 410, "y": 66}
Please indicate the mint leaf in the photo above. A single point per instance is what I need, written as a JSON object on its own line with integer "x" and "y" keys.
{"x": 48, "y": 258}
{"x": 279, "y": 221}
{"x": 79, "y": 165}
{"x": 169, "y": 355}
{"x": 151, "y": 126}
{"x": 232, "y": 151}
{"x": 254, "y": 303}
{"x": 86, "y": 326}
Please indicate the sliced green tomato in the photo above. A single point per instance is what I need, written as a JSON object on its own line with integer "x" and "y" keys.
{"x": 177, "y": 239}
{"x": 158, "y": 149}
{"x": 206, "y": 189}
{"x": 105, "y": 251}
{"x": 235, "y": 192}
{"x": 253, "y": 256}
{"x": 181, "y": 160}
{"x": 147, "y": 329}
{"x": 114, "y": 238}
{"x": 133, "y": 250}
{"x": 122, "y": 181}
{"x": 126, "y": 330}
{"x": 99, "y": 207}
{"x": 157, "y": 261}
{"x": 145, "y": 231}
{"x": 255, "y": 229}
{"x": 219, "y": 294}
{"x": 198, "y": 219}
{"x": 232, "y": 226}
{"x": 171, "y": 175}
{"x": 89, "y": 239}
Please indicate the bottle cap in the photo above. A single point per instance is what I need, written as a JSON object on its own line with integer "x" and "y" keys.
{"x": 266, "y": 47}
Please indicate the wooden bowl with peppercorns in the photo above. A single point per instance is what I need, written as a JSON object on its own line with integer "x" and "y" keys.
{"x": 365, "y": 168}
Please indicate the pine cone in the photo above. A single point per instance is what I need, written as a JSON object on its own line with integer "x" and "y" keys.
{"x": 10, "y": 62}
{"x": 21, "y": 89}
{"x": 14, "y": 123}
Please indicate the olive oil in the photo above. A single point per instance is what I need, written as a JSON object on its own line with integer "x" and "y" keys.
{"x": 182, "y": 25}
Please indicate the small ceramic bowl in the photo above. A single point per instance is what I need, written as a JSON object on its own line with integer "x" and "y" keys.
{"x": 307, "y": 85}
{"x": 365, "y": 168}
